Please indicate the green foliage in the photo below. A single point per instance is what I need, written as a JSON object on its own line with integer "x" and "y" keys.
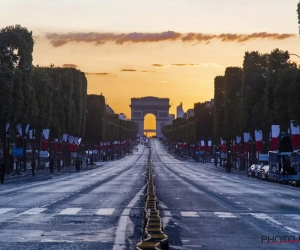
{"x": 219, "y": 106}
{"x": 181, "y": 130}
{"x": 232, "y": 85}
{"x": 252, "y": 91}
{"x": 294, "y": 100}
{"x": 204, "y": 120}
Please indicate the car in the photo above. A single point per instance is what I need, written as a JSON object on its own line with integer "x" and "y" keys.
{"x": 251, "y": 170}
{"x": 265, "y": 173}
{"x": 258, "y": 171}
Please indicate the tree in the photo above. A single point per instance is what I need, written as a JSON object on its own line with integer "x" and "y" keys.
{"x": 271, "y": 73}
{"x": 294, "y": 100}
{"x": 232, "y": 85}
{"x": 219, "y": 106}
{"x": 282, "y": 95}
{"x": 251, "y": 92}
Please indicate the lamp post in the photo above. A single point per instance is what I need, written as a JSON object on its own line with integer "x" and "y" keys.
{"x": 18, "y": 136}
{"x": 33, "y": 146}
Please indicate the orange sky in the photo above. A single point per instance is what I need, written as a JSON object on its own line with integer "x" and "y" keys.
{"x": 119, "y": 42}
{"x": 121, "y": 72}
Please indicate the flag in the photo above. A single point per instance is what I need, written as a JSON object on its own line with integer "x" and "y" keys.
{"x": 275, "y": 130}
{"x": 295, "y": 132}
{"x": 258, "y": 140}
{"x": 246, "y": 141}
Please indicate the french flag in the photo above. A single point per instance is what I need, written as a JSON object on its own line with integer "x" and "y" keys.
{"x": 275, "y": 129}
{"x": 258, "y": 140}
{"x": 238, "y": 144}
{"x": 295, "y": 132}
{"x": 246, "y": 141}
{"x": 208, "y": 146}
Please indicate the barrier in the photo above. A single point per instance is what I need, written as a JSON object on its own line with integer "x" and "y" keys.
{"x": 153, "y": 236}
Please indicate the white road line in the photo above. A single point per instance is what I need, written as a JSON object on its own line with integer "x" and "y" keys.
{"x": 294, "y": 216}
{"x": 167, "y": 213}
{"x": 36, "y": 210}
{"x": 189, "y": 214}
{"x": 266, "y": 217}
{"x": 120, "y": 238}
{"x": 70, "y": 211}
{"x": 292, "y": 230}
{"x": 225, "y": 215}
{"x": 5, "y": 210}
{"x": 105, "y": 211}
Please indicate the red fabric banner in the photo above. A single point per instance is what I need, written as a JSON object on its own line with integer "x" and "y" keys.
{"x": 246, "y": 146}
{"x": 258, "y": 145}
{"x": 208, "y": 148}
{"x": 45, "y": 144}
{"x": 274, "y": 143}
{"x": 224, "y": 148}
{"x": 296, "y": 141}
{"x": 55, "y": 146}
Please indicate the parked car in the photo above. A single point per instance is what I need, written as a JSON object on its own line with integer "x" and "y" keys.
{"x": 251, "y": 170}
{"x": 258, "y": 171}
{"x": 265, "y": 173}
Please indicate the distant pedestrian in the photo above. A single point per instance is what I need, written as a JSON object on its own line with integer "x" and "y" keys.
{"x": 228, "y": 167}
{"x": 2, "y": 169}
{"x": 32, "y": 167}
{"x": 51, "y": 165}
{"x": 81, "y": 163}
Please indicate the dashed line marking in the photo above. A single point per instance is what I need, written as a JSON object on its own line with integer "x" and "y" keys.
{"x": 225, "y": 215}
{"x": 189, "y": 214}
{"x": 105, "y": 211}
{"x": 70, "y": 211}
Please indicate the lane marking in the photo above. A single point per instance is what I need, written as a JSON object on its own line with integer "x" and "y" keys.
{"x": 189, "y": 214}
{"x": 167, "y": 213}
{"x": 225, "y": 215}
{"x": 35, "y": 210}
{"x": 119, "y": 243}
{"x": 70, "y": 211}
{"x": 292, "y": 229}
{"x": 266, "y": 217}
{"x": 5, "y": 210}
{"x": 105, "y": 211}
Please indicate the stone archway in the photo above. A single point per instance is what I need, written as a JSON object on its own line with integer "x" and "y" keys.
{"x": 159, "y": 107}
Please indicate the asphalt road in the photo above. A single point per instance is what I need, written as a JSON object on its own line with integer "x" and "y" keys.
{"x": 94, "y": 209}
{"x": 203, "y": 207}
{"x": 101, "y": 208}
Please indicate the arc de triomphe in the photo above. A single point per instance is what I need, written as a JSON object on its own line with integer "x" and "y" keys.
{"x": 159, "y": 107}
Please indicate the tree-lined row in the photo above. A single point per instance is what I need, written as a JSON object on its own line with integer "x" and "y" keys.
{"x": 50, "y": 97}
{"x": 105, "y": 127}
{"x": 264, "y": 92}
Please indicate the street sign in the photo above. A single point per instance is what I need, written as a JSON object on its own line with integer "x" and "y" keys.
{"x": 73, "y": 154}
{"x": 17, "y": 152}
{"x": 223, "y": 156}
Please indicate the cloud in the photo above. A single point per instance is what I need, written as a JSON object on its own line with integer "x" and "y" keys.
{"x": 163, "y": 81}
{"x": 98, "y": 73}
{"x": 69, "y": 65}
{"x": 187, "y": 65}
{"x": 129, "y": 70}
{"x": 158, "y": 65}
{"x": 147, "y": 71}
{"x": 60, "y": 39}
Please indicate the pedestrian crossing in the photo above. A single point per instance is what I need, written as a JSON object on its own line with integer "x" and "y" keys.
{"x": 66, "y": 211}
